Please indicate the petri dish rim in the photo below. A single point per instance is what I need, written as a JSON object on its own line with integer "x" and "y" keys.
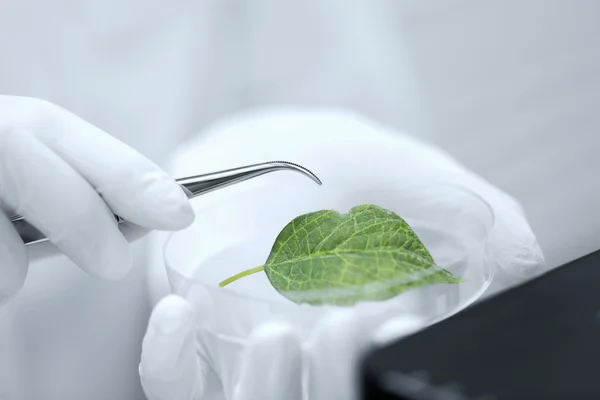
{"x": 489, "y": 269}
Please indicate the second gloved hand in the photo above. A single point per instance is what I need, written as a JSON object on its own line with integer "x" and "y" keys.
{"x": 350, "y": 153}
{"x": 175, "y": 366}
{"x": 67, "y": 177}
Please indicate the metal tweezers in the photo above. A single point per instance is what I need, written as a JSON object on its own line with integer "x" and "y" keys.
{"x": 193, "y": 186}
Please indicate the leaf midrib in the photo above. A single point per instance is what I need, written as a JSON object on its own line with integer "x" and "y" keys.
{"x": 345, "y": 252}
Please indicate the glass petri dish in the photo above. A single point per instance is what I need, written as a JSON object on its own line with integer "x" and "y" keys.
{"x": 236, "y": 227}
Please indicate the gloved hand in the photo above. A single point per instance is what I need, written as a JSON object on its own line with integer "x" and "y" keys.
{"x": 65, "y": 176}
{"x": 176, "y": 365}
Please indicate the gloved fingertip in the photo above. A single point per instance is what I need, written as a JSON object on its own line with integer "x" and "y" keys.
{"x": 396, "y": 328}
{"x": 276, "y": 333}
{"x": 178, "y": 212}
{"x": 164, "y": 204}
{"x": 520, "y": 260}
{"x": 340, "y": 322}
{"x": 171, "y": 315}
{"x": 274, "y": 338}
{"x": 514, "y": 245}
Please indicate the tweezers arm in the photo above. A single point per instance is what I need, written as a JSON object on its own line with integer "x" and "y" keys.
{"x": 192, "y": 186}
{"x": 29, "y": 233}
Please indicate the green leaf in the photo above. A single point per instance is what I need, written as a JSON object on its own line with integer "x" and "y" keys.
{"x": 370, "y": 253}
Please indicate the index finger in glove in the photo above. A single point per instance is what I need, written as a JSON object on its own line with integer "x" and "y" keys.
{"x": 513, "y": 242}
{"x": 170, "y": 368}
{"x": 38, "y": 184}
{"x": 133, "y": 186}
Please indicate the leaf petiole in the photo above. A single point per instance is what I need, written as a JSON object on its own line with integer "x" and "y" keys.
{"x": 241, "y": 275}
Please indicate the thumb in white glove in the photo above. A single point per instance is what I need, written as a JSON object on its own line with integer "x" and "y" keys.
{"x": 67, "y": 177}
{"x": 171, "y": 366}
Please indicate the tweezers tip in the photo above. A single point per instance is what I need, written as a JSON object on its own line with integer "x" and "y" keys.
{"x": 299, "y": 168}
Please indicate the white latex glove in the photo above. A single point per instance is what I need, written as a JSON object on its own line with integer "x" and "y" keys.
{"x": 175, "y": 366}
{"x": 65, "y": 176}
{"x": 336, "y": 145}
